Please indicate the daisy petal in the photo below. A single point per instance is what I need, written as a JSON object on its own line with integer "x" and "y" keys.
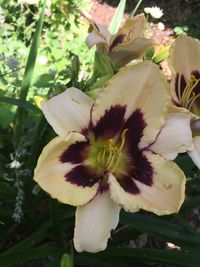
{"x": 195, "y": 153}
{"x": 164, "y": 196}
{"x": 69, "y": 111}
{"x": 94, "y": 222}
{"x": 175, "y": 137}
{"x": 136, "y": 87}
{"x": 57, "y": 175}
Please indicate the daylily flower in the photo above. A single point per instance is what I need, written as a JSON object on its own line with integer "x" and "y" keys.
{"x": 127, "y": 44}
{"x": 184, "y": 61}
{"x": 102, "y": 159}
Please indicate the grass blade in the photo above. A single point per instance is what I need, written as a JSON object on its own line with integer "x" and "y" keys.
{"x": 28, "y": 74}
{"x": 180, "y": 258}
{"x": 17, "y": 102}
{"x": 117, "y": 18}
{"x": 132, "y": 14}
{"x": 28, "y": 255}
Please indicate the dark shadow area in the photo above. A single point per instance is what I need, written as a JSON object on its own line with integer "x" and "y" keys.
{"x": 176, "y": 13}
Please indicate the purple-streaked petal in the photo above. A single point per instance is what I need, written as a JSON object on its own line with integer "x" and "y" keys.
{"x": 166, "y": 194}
{"x": 128, "y": 184}
{"x": 117, "y": 40}
{"x": 124, "y": 53}
{"x": 135, "y": 125}
{"x": 143, "y": 171}
{"x": 50, "y": 173}
{"x": 76, "y": 153}
{"x": 82, "y": 176}
{"x": 136, "y": 87}
{"x": 111, "y": 122}
{"x": 184, "y": 59}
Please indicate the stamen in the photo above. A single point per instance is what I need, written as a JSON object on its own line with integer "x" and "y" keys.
{"x": 193, "y": 99}
{"x": 111, "y": 161}
{"x": 179, "y": 86}
{"x": 123, "y": 135}
{"x": 109, "y": 156}
{"x": 188, "y": 97}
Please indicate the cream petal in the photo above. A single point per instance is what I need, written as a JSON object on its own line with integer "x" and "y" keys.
{"x": 175, "y": 137}
{"x": 124, "y": 53}
{"x": 190, "y": 48}
{"x": 94, "y": 38}
{"x": 195, "y": 153}
{"x": 132, "y": 28}
{"x": 68, "y": 111}
{"x": 50, "y": 173}
{"x": 100, "y": 34}
{"x": 94, "y": 222}
{"x": 164, "y": 196}
{"x": 136, "y": 87}
{"x": 183, "y": 65}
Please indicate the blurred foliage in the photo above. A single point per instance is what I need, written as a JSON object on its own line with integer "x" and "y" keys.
{"x": 34, "y": 229}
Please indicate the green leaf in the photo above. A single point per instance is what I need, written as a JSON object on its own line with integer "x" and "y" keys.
{"x": 67, "y": 260}
{"x": 132, "y": 14}
{"x": 3, "y": 81}
{"x": 32, "y": 240}
{"x": 7, "y": 114}
{"x": 191, "y": 203}
{"x": 102, "y": 65}
{"x": 101, "y": 81}
{"x": 162, "y": 230}
{"x": 89, "y": 260}
{"x": 117, "y": 18}
{"x": 28, "y": 255}
{"x": 161, "y": 55}
{"x": 28, "y": 74}
{"x": 149, "y": 53}
{"x": 17, "y": 102}
{"x": 189, "y": 259}
{"x": 29, "y": 69}
{"x": 43, "y": 80}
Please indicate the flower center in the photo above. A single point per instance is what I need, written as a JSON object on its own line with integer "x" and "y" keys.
{"x": 188, "y": 97}
{"x": 109, "y": 157}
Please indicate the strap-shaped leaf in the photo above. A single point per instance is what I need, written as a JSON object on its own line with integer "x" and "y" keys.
{"x": 117, "y": 18}
{"x": 28, "y": 74}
